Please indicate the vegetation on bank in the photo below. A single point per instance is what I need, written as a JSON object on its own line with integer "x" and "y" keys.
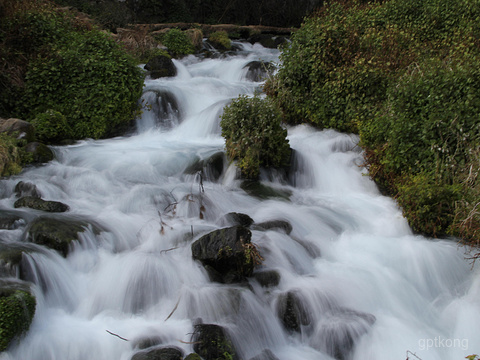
{"x": 405, "y": 76}
{"x": 66, "y": 76}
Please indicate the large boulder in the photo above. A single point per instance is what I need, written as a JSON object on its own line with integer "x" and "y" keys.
{"x": 54, "y": 233}
{"x": 21, "y": 129}
{"x": 36, "y": 203}
{"x": 161, "y": 66}
{"x": 212, "y": 341}
{"x": 226, "y": 253}
{"x": 17, "y": 308}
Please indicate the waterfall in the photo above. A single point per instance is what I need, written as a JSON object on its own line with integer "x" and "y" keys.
{"x": 362, "y": 285}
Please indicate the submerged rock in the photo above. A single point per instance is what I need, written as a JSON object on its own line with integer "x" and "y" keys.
{"x": 10, "y": 222}
{"x": 259, "y": 70}
{"x": 39, "y": 204}
{"x": 261, "y": 191}
{"x": 56, "y": 234}
{"x": 339, "y": 330}
{"x": 265, "y": 355}
{"x": 213, "y": 342}
{"x": 234, "y": 218}
{"x": 23, "y": 189}
{"x": 210, "y": 168}
{"x": 166, "y": 353}
{"x": 274, "y": 224}
{"x": 293, "y": 312}
{"x": 267, "y": 278}
{"x": 227, "y": 252}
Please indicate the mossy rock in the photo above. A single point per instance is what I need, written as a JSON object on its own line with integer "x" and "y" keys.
{"x": 54, "y": 233}
{"x": 40, "y": 153}
{"x": 225, "y": 254}
{"x": 17, "y": 308}
{"x": 166, "y": 353}
{"x": 161, "y": 66}
{"x": 193, "y": 356}
{"x": 220, "y": 40}
{"x": 33, "y": 202}
{"x": 213, "y": 342}
{"x": 11, "y": 255}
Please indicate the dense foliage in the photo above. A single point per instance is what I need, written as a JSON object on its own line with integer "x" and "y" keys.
{"x": 58, "y": 65}
{"x": 177, "y": 42}
{"x": 404, "y": 74}
{"x": 254, "y": 135}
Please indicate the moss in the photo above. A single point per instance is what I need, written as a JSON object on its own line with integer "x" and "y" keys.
{"x": 17, "y": 308}
{"x": 220, "y": 39}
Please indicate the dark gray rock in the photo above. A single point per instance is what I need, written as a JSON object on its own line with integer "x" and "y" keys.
{"x": 213, "y": 342}
{"x": 10, "y": 222}
{"x": 161, "y": 66}
{"x": 227, "y": 252}
{"x": 39, "y": 204}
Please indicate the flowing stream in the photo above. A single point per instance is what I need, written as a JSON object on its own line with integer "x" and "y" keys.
{"x": 366, "y": 283}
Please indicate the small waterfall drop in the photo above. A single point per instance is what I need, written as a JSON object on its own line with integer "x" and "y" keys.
{"x": 348, "y": 281}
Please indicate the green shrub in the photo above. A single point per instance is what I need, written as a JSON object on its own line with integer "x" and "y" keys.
{"x": 89, "y": 80}
{"x": 17, "y": 309}
{"x": 220, "y": 39}
{"x": 52, "y": 127}
{"x": 254, "y": 135}
{"x": 178, "y": 43}
{"x": 428, "y": 205}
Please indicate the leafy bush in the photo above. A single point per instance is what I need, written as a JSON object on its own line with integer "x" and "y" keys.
{"x": 178, "y": 43}
{"x": 254, "y": 135}
{"x": 66, "y": 67}
{"x": 89, "y": 80}
{"x": 404, "y": 74}
{"x": 51, "y": 127}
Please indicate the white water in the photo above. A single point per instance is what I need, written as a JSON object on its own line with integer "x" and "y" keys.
{"x": 350, "y": 248}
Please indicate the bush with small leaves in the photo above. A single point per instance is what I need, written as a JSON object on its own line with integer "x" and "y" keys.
{"x": 254, "y": 135}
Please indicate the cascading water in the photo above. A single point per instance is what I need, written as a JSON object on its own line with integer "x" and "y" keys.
{"x": 361, "y": 284}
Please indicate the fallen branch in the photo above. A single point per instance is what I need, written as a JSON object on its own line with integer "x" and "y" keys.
{"x": 111, "y": 333}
